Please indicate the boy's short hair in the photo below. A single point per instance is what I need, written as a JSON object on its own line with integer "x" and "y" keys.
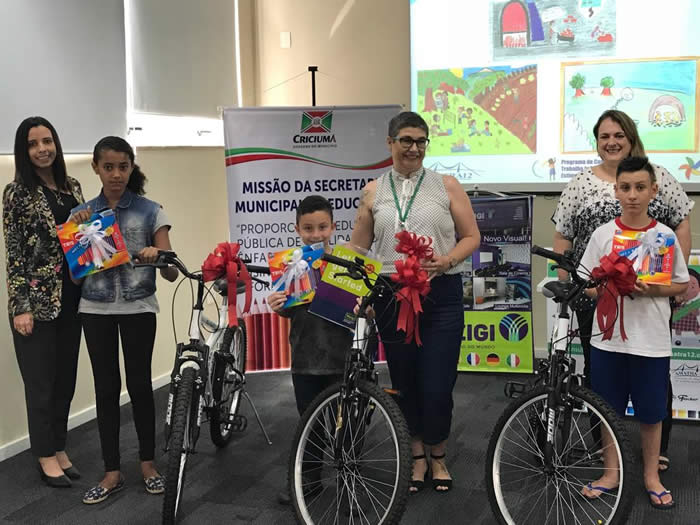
{"x": 314, "y": 203}
{"x": 632, "y": 164}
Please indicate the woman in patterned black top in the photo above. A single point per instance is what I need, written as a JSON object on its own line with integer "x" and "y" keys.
{"x": 42, "y": 299}
{"x": 588, "y": 201}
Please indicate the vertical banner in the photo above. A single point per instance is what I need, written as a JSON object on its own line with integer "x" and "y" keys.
{"x": 498, "y": 289}
{"x": 685, "y": 344}
{"x": 274, "y": 158}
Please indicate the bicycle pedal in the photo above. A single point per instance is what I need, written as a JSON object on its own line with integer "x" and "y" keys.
{"x": 238, "y": 422}
{"x": 514, "y": 389}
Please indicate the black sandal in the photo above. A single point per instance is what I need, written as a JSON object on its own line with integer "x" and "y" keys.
{"x": 441, "y": 485}
{"x": 417, "y": 485}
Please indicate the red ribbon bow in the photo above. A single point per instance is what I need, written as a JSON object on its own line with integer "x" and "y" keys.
{"x": 415, "y": 284}
{"x": 620, "y": 276}
{"x": 225, "y": 259}
{"x": 411, "y": 244}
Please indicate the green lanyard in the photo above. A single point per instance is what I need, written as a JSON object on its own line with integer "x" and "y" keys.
{"x": 403, "y": 215}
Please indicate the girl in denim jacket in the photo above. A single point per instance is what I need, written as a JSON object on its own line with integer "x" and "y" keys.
{"x": 120, "y": 303}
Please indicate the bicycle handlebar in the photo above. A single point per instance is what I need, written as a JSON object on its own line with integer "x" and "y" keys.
{"x": 565, "y": 261}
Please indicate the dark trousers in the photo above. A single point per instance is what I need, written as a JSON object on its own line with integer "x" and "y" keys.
{"x": 586, "y": 329}
{"x": 48, "y": 362}
{"x": 426, "y": 375}
{"x": 308, "y": 386}
{"x": 137, "y": 332}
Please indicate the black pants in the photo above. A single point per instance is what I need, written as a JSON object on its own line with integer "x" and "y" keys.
{"x": 586, "y": 329}
{"x": 426, "y": 375}
{"x": 48, "y": 362}
{"x": 102, "y": 333}
{"x": 308, "y": 386}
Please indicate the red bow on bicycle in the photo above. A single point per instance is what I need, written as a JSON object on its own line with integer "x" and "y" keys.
{"x": 620, "y": 278}
{"x": 225, "y": 259}
{"x": 413, "y": 280}
{"x": 417, "y": 245}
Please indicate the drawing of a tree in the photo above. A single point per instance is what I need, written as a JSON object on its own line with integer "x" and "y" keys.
{"x": 607, "y": 83}
{"x": 577, "y": 83}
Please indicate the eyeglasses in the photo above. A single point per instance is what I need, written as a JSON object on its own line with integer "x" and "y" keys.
{"x": 408, "y": 142}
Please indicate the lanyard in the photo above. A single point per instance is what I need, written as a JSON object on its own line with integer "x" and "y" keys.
{"x": 403, "y": 215}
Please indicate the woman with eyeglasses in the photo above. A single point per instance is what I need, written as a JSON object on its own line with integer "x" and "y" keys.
{"x": 412, "y": 198}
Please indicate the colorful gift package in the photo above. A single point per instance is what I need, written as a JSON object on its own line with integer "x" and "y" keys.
{"x": 650, "y": 251}
{"x": 296, "y": 271}
{"x": 93, "y": 246}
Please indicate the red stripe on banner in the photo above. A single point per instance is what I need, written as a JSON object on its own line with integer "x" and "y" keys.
{"x": 241, "y": 159}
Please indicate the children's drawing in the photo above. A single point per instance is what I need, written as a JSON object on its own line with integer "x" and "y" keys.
{"x": 658, "y": 94}
{"x": 479, "y": 111}
{"x": 552, "y": 27}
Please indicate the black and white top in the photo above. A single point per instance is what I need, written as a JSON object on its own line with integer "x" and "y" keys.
{"x": 588, "y": 202}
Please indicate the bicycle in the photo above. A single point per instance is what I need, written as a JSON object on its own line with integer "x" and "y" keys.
{"x": 543, "y": 450}
{"x": 350, "y": 458}
{"x": 208, "y": 380}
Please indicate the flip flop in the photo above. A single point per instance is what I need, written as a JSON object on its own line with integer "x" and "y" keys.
{"x": 660, "y": 505}
{"x": 664, "y": 464}
{"x": 599, "y": 488}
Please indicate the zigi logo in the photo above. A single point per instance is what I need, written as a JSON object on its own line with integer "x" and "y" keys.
{"x": 315, "y": 128}
{"x": 513, "y": 327}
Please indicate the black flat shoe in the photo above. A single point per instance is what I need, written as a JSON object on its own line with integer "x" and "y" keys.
{"x": 72, "y": 472}
{"x": 59, "y": 482}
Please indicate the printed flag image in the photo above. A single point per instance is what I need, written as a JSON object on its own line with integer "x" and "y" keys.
{"x": 493, "y": 360}
{"x": 473, "y": 359}
{"x": 513, "y": 360}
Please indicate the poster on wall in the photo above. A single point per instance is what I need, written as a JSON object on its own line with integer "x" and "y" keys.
{"x": 275, "y": 157}
{"x": 660, "y": 95}
{"x": 497, "y": 289}
{"x": 480, "y": 111}
{"x": 522, "y": 28}
{"x": 685, "y": 340}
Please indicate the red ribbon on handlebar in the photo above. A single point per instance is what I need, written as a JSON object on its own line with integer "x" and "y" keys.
{"x": 225, "y": 259}
{"x": 620, "y": 278}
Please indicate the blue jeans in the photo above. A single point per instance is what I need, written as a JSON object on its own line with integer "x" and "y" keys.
{"x": 425, "y": 375}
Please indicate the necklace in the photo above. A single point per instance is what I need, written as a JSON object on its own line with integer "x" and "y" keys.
{"x": 57, "y": 195}
{"x": 403, "y": 214}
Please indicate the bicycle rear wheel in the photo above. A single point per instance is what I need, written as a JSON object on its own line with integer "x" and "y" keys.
{"x": 179, "y": 446}
{"x": 226, "y": 386}
{"x": 350, "y": 459}
{"x": 522, "y": 490}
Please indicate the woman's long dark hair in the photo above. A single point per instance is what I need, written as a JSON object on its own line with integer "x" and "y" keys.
{"x": 25, "y": 172}
{"x": 137, "y": 180}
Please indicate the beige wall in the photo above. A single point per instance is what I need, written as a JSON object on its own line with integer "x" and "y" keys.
{"x": 359, "y": 46}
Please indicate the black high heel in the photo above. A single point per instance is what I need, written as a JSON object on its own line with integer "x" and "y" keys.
{"x": 418, "y": 484}
{"x": 446, "y": 484}
{"x": 59, "y": 482}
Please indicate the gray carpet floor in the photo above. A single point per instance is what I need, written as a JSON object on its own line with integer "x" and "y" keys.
{"x": 240, "y": 483}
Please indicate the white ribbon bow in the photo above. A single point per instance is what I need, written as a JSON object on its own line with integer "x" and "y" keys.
{"x": 91, "y": 236}
{"x": 296, "y": 269}
{"x": 649, "y": 244}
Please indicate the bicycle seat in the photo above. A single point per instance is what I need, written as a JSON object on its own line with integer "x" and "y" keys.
{"x": 558, "y": 290}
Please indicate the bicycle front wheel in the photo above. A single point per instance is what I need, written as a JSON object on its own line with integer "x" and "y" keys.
{"x": 179, "y": 446}
{"x": 226, "y": 386}
{"x": 350, "y": 459}
{"x": 523, "y": 489}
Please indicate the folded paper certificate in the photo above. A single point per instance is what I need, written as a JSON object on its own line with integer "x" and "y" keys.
{"x": 93, "y": 246}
